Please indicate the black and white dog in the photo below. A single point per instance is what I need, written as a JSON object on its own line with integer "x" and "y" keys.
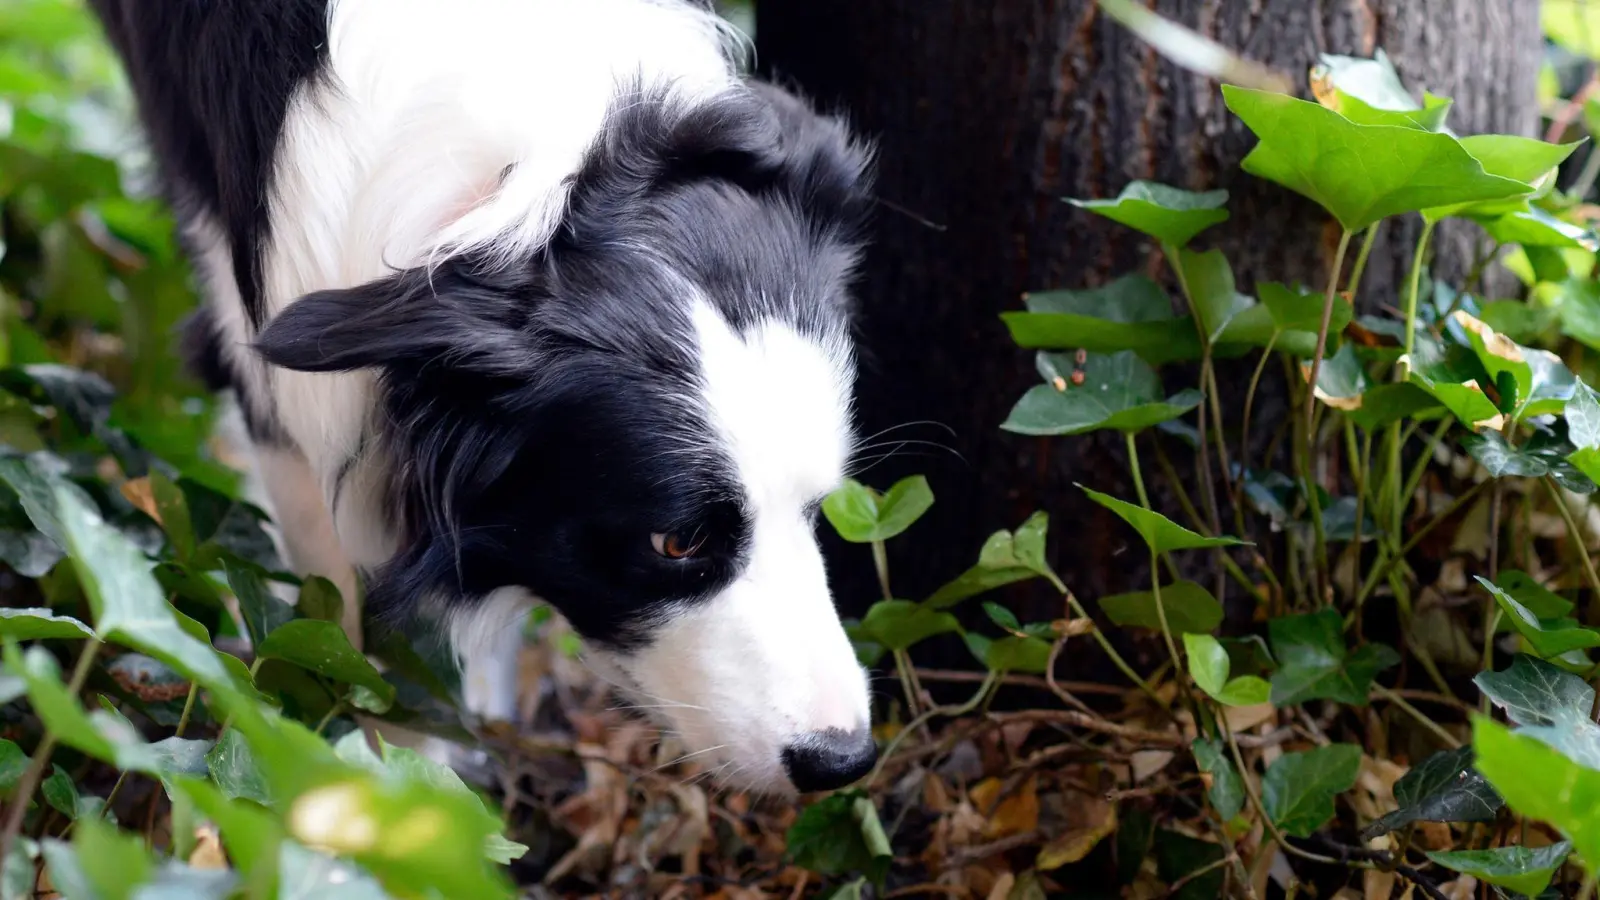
{"x": 535, "y": 299}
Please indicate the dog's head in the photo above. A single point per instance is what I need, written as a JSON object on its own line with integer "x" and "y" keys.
{"x": 637, "y": 421}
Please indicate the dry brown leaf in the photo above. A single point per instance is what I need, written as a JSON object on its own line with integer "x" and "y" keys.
{"x": 1377, "y": 884}
{"x": 1002, "y": 886}
{"x": 1016, "y": 813}
{"x": 1463, "y": 888}
{"x": 1244, "y": 718}
{"x": 1074, "y": 845}
{"x": 1149, "y": 762}
{"x": 137, "y": 491}
{"x": 207, "y": 850}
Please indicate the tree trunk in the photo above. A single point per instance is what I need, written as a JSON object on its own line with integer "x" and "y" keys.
{"x": 987, "y": 112}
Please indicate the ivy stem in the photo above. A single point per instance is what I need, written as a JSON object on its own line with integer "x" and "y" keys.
{"x": 188, "y": 709}
{"x": 1208, "y": 402}
{"x": 1328, "y": 299}
{"x": 1416, "y": 289}
{"x": 41, "y": 755}
{"x": 1381, "y": 571}
{"x": 1155, "y": 576}
{"x": 1244, "y": 441}
{"x": 1260, "y": 807}
{"x": 990, "y": 682}
{"x": 327, "y": 717}
{"x": 1422, "y": 718}
{"x": 1361, "y": 257}
{"x": 880, "y": 562}
{"x": 1105, "y": 642}
{"x": 1589, "y": 572}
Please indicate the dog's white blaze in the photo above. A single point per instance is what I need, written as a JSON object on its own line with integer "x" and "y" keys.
{"x": 765, "y": 661}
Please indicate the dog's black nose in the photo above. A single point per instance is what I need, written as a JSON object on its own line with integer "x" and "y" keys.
{"x": 829, "y": 759}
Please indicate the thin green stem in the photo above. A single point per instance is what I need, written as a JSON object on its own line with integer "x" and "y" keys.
{"x": 1105, "y": 642}
{"x": 880, "y": 562}
{"x": 327, "y": 717}
{"x": 1354, "y": 284}
{"x": 1260, "y": 807}
{"x": 188, "y": 709}
{"x": 1244, "y": 443}
{"x": 1586, "y": 178}
{"x": 1133, "y": 467}
{"x": 1382, "y": 569}
{"x": 1575, "y": 532}
{"x": 41, "y": 755}
{"x": 990, "y": 682}
{"x": 1416, "y": 288}
{"x": 1322, "y": 329}
{"x": 1587, "y": 891}
{"x": 1491, "y": 621}
{"x": 902, "y": 665}
{"x": 1420, "y": 469}
{"x": 1422, "y": 718}
{"x": 1208, "y": 487}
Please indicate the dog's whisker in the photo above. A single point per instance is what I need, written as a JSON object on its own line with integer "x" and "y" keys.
{"x": 690, "y": 756}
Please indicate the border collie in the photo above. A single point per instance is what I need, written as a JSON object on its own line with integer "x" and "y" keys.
{"x": 531, "y": 300}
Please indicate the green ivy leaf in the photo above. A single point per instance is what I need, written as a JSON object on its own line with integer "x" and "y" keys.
{"x": 863, "y": 516}
{"x": 1573, "y": 24}
{"x": 1508, "y": 156}
{"x": 1006, "y": 558}
{"x": 1533, "y": 227}
{"x": 128, "y": 604}
{"x": 1386, "y": 404}
{"x": 1549, "y": 638}
{"x": 13, "y": 762}
{"x": 1442, "y": 788}
{"x": 1528, "y": 872}
{"x": 1583, "y": 418}
{"x": 840, "y": 835}
{"x": 1540, "y": 600}
{"x": 1546, "y": 704}
{"x": 1359, "y": 173}
{"x": 233, "y": 767}
{"x": 1119, "y": 392}
{"x": 1131, "y": 313}
{"x": 323, "y": 647}
{"x": 1016, "y": 653}
{"x": 1296, "y": 316}
{"x": 174, "y": 510}
{"x": 250, "y": 834}
{"x": 1315, "y": 664}
{"x": 1369, "y": 92}
{"x": 262, "y": 612}
{"x": 1161, "y": 534}
{"x": 40, "y": 624}
{"x": 1168, "y": 214}
{"x": 102, "y": 861}
{"x": 1299, "y": 788}
{"x": 320, "y": 599}
{"x": 1209, "y": 278}
{"x": 1189, "y": 608}
{"x": 1539, "y": 782}
{"x": 1209, "y": 665}
{"x": 1227, "y": 788}
{"x": 60, "y": 792}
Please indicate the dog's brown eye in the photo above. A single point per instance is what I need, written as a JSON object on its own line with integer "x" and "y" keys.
{"x": 677, "y": 544}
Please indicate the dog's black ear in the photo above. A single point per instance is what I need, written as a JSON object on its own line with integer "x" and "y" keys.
{"x": 413, "y": 318}
{"x": 824, "y": 167}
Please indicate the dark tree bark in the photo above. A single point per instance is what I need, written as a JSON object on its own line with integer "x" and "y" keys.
{"x": 987, "y": 112}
